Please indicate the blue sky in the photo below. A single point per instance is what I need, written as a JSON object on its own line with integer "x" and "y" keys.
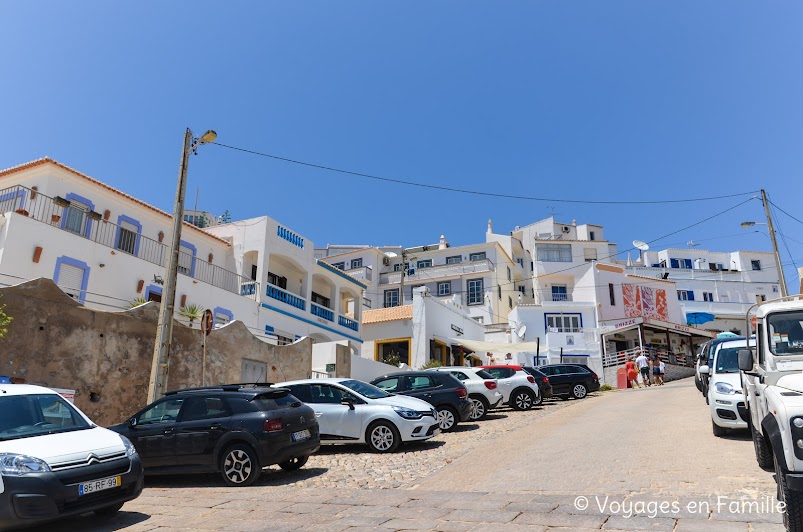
{"x": 613, "y": 100}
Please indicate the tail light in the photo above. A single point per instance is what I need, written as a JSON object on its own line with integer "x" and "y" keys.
{"x": 491, "y": 385}
{"x": 462, "y": 393}
{"x": 272, "y": 425}
{"x": 531, "y": 379}
{"x": 545, "y": 380}
{"x": 594, "y": 376}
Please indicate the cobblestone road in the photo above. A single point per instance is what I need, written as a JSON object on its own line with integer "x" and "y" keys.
{"x": 650, "y": 452}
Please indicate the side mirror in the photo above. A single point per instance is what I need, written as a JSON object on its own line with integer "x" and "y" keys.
{"x": 746, "y": 359}
{"x": 132, "y": 422}
{"x": 704, "y": 370}
{"x": 347, "y": 402}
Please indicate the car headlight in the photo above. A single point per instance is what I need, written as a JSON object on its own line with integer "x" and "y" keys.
{"x": 130, "y": 450}
{"x": 15, "y": 465}
{"x": 724, "y": 388}
{"x": 407, "y": 413}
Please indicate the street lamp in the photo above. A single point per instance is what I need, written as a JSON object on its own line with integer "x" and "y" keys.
{"x": 771, "y": 231}
{"x": 164, "y": 331}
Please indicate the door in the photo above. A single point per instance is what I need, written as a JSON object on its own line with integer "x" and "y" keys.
{"x": 336, "y": 421}
{"x": 423, "y": 387}
{"x": 153, "y": 433}
{"x": 504, "y": 381}
{"x": 201, "y": 423}
{"x": 560, "y": 379}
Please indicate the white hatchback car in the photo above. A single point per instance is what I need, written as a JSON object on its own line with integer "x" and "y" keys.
{"x": 352, "y": 411}
{"x": 725, "y": 392}
{"x": 483, "y": 390}
{"x": 518, "y": 387}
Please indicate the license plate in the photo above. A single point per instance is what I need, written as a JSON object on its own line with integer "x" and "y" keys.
{"x": 301, "y": 435}
{"x": 99, "y": 485}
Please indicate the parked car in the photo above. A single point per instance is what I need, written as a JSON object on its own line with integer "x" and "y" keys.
{"x": 701, "y": 360}
{"x": 352, "y": 411}
{"x": 483, "y": 390}
{"x": 54, "y": 462}
{"x": 235, "y": 430}
{"x": 519, "y": 389}
{"x": 544, "y": 386}
{"x": 570, "y": 380}
{"x": 708, "y": 360}
{"x": 725, "y": 389}
{"x": 447, "y": 394}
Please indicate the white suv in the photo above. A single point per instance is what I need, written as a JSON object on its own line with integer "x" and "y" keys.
{"x": 519, "y": 389}
{"x": 352, "y": 411}
{"x": 54, "y": 461}
{"x": 725, "y": 398}
{"x": 483, "y": 390}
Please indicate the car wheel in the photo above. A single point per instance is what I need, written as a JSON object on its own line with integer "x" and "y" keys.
{"x": 763, "y": 451}
{"x": 793, "y": 500}
{"x": 109, "y": 510}
{"x": 240, "y": 465}
{"x": 382, "y": 437}
{"x": 447, "y": 418}
{"x": 539, "y": 399}
{"x": 522, "y": 399}
{"x": 294, "y": 463}
{"x": 479, "y": 408}
{"x": 718, "y": 431}
{"x": 579, "y": 391}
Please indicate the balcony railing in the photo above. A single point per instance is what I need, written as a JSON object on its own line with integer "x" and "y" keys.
{"x": 321, "y": 312}
{"x": 348, "y": 323}
{"x": 286, "y": 297}
{"x": 363, "y": 273}
{"x": 444, "y": 270}
{"x": 60, "y": 214}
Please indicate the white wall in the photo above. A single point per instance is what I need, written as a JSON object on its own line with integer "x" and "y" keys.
{"x": 366, "y": 370}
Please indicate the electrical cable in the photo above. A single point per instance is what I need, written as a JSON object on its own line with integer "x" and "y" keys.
{"x": 786, "y": 213}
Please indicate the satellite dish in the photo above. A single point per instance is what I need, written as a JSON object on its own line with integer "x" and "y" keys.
{"x": 521, "y": 331}
{"x": 692, "y": 243}
{"x": 390, "y": 254}
{"x": 641, "y": 245}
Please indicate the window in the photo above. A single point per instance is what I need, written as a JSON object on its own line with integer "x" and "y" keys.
{"x": 509, "y": 278}
{"x": 479, "y": 319}
{"x": 475, "y": 291}
{"x": 683, "y": 264}
{"x": 75, "y": 217}
{"x": 590, "y": 254}
{"x": 708, "y": 296}
{"x": 424, "y": 263}
{"x": 390, "y": 384}
{"x": 418, "y": 383}
{"x": 760, "y": 298}
{"x": 318, "y": 299}
{"x": 222, "y": 317}
{"x": 459, "y": 375}
{"x": 612, "y": 294}
{"x": 522, "y": 289}
{"x": 563, "y": 324}
{"x": 24, "y": 416}
{"x": 127, "y": 237}
{"x": 276, "y": 280}
{"x": 500, "y": 373}
{"x": 413, "y": 288}
{"x": 509, "y": 301}
{"x": 323, "y": 393}
{"x": 559, "y": 292}
{"x": 392, "y": 298}
{"x": 356, "y": 263}
{"x": 444, "y": 288}
{"x": 755, "y": 264}
{"x": 685, "y": 295}
{"x": 554, "y": 252}
{"x": 591, "y": 235}
{"x": 454, "y": 260}
{"x": 476, "y": 256}
{"x": 521, "y": 262}
{"x": 253, "y": 272}
{"x": 397, "y": 267}
{"x": 164, "y": 412}
{"x": 72, "y": 276}
{"x": 499, "y": 289}
{"x": 185, "y": 258}
{"x": 283, "y": 340}
{"x": 197, "y": 408}
{"x": 339, "y": 265}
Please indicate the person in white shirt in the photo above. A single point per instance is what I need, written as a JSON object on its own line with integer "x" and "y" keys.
{"x": 644, "y": 368}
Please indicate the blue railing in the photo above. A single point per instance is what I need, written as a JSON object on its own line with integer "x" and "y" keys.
{"x": 286, "y": 297}
{"x": 348, "y": 323}
{"x": 290, "y": 236}
{"x": 321, "y": 312}
{"x": 248, "y": 289}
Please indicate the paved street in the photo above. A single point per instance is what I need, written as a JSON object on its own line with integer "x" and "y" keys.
{"x": 632, "y": 460}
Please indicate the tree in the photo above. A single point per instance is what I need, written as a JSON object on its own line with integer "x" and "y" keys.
{"x": 225, "y": 217}
{"x": 191, "y": 312}
{"x": 5, "y": 320}
{"x": 202, "y": 222}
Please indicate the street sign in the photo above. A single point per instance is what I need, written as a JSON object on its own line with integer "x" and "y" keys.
{"x": 207, "y": 322}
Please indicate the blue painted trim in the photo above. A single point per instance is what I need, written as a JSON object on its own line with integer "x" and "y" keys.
{"x": 340, "y": 273}
{"x": 78, "y": 264}
{"x": 270, "y": 330}
{"x": 546, "y": 328}
{"x": 280, "y": 311}
{"x": 152, "y": 289}
{"x": 290, "y": 236}
{"x": 224, "y": 311}
{"x": 17, "y": 194}
{"x": 194, "y": 256}
{"x": 86, "y": 201}
{"x": 132, "y": 221}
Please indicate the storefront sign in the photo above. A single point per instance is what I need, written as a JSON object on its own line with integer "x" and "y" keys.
{"x": 457, "y": 329}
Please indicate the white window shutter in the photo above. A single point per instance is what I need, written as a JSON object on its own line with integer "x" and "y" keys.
{"x": 70, "y": 279}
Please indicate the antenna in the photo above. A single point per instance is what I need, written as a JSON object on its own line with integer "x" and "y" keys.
{"x": 692, "y": 243}
{"x": 641, "y": 246}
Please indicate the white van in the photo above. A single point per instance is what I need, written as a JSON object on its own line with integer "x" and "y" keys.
{"x": 725, "y": 398}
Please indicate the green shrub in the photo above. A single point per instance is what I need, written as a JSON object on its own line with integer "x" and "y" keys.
{"x": 605, "y": 388}
{"x": 431, "y": 364}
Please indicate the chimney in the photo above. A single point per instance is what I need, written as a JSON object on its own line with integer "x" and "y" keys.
{"x": 574, "y": 223}
{"x": 442, "y": 244}
{"x": 490, "y": 227}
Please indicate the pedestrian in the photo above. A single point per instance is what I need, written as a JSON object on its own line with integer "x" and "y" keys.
{"x": 663, "y": 371}
{"x": 644, "y": 368}
{"x": 656, "y": 370}
{"x": 632, "y": 376}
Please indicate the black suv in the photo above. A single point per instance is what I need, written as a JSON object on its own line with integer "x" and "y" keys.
{"x": 544, "y": 386}
{"x": 232, "y": 429}
{"x": 570, "y": 380}
{"x": 441, "y": 390}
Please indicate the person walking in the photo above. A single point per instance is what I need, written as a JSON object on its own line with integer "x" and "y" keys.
{"x": 632, "y": 376}
{"x": 644, "y": 368}
{"x": 656, "y": 370}
{"x": 662, "y": 367}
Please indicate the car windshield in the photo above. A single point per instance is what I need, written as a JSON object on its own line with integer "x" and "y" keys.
{"x": 481, "y": 373}
{"x": 24, "y": 416}
{"x": 785, "y": 331}
{"x": 728, "y": 360}
{"x": 366, "y": 390}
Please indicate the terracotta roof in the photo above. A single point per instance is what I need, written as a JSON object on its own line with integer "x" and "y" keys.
{"x": 651, "y": 278}
{"x": 387, "y": 314}
{"x": 48, "y": 160}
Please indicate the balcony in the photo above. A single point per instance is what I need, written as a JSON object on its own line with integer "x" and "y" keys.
{"x": 60, "y": 214}
{"x": 286, "y": 297}
{"x": 363, "y": 273}
{"x": 321, "y": 312}
{"x": 348, "y": 323}
{"x": 435, "y": 272}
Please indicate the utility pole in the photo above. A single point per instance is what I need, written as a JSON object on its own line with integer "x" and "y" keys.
{"x": 771, "y": 230}
{"x": 403, "y": 271}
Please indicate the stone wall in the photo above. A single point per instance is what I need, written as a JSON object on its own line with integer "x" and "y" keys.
{"x": 106, "y": 356}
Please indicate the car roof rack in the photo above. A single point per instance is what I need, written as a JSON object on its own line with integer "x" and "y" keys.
{"x": 235, "y": 387}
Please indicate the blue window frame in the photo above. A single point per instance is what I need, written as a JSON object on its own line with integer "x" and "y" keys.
{"x": 75, "y": 220}
{"x": 13, "y": 205}
{"x": 153, "y": 289}
{"x": 559, "y": 293}
{"x": 186, "y": 263}
{"x": 125, "y": 239}
{"x": 683, "y": 264}
{"x": 220, "y": 311}
{"x": 84, "y": 281}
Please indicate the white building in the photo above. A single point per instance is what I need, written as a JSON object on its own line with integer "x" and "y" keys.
{"x": 108, "y": 250}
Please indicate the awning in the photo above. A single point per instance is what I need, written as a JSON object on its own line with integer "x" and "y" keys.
{"x": 632, "y": 323}
{"x": 521, "y": 347}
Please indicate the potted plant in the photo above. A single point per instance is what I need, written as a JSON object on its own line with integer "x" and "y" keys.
{"x": 61, "y": 202}
{"x": 137, "y": 301}
{"x": 93, "y": 215}
{"x": 192, "y": 312}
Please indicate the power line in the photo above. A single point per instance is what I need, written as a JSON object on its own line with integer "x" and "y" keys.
{"x": 474, "y": 192}
{"x": 783, "y": 237}
{"x": 786, "y": 213}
